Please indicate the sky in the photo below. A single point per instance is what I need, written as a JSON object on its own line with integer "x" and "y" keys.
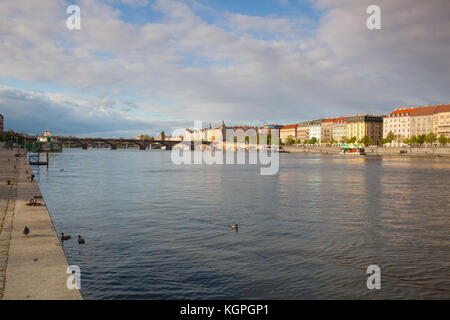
{"x": 143, "y": 66}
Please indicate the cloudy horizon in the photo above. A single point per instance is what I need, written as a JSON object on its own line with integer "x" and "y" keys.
{"x": 142, "y": 66}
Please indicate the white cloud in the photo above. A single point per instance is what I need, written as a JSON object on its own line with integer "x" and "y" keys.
{"x": 203, "y": 71}
{"x": 64, "y": 114}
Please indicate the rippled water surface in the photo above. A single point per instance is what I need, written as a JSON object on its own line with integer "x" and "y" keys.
{"x": 155, "y": 230}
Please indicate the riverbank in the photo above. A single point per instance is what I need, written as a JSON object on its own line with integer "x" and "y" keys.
{"x": 377, "y": 151}
{"x": 32, "y": 266}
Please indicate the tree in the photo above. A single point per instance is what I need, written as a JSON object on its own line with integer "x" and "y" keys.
{"x": 273, "y": 140}
{"x": 147, "y": 138}
{"x": 443, "y": 140}
{"x": 421, "y": 139}
{"x": 430, "y": 138}
{"x": 313, "y": 140}
{"x": 290, "y": 140}
{"x": 398, "y": 139}
{"x": 305, "y": 141}
{"x": 406, "y": 141}
{"x": 366, "y": 141}
{"x": 333, "y": 141}
{"x": 352, "y": 140}
{"x": 298, "y": 141}
{"x": 413, "y": 140}
{"x": 390, "y": 137}
{"x": 343, "y": 140}
{"x": 10, "y": 135}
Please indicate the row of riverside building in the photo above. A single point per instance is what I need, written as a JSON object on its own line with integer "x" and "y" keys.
{"x": 403, "y": 122}
{"x": 327, "y": 130}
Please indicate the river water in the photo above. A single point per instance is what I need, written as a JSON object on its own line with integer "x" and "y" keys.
{"x": 156, "y": 230}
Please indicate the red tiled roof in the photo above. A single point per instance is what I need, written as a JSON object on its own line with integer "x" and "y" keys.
{"x": 402, "y": 111}
{"x": 443, "y": 108}
{"x": 290, "y": 126}
{"x": 327, "y": 120}
{"x": 244, "y": 127}
{"x": 340, "y": 120}
{"x": 424, "y": 111}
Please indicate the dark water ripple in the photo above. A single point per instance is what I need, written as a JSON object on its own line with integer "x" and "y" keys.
{"x": 154, "y": 230}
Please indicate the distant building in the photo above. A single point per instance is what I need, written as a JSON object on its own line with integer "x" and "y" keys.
{"x": 2, "y": 125}
{"x": 398, "y": 122}
{"x": 365, "y": 125}
{"x": 315, "y": 130}
{"x": 326, "y": 130}
{"x": 303, "y": 131}
{"x": 287, "y": 131}
{"x": 143, "y": 137}
{"x": 340, "y": 129}
{"x": 196, "y": 135}
{"x": 441, "y": 121}
{"x": 217, "y": 134}
{"x": 273, "y": 129}
{"x": 211, "y": 134}
{"x": 422, "y": 120}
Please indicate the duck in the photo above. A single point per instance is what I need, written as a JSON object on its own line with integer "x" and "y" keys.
{"x": 80, "y": 240}
{"x": 64, "y": 238}
{"x": 26, "y": 230}
{"x": 235, "y": 226}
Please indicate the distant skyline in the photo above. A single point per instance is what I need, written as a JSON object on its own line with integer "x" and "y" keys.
{"x": 142, "y": 66}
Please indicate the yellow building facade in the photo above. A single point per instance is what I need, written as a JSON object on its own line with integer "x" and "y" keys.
{"x": 365, "y": 125}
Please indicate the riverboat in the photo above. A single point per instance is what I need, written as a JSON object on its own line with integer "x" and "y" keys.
{"x": 353, "y": 150}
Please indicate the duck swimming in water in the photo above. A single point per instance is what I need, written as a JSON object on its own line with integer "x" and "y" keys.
{"x": 64, "y": 238}
{"x": 235, "y": 226}
{"x": 80, "y": 240}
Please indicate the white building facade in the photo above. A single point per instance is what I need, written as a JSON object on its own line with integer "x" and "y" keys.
{"x": 315, "y": 128}
{"x": 399, "y": 122}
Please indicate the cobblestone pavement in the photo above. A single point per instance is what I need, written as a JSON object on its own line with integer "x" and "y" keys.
{"x": 9, "y": 169}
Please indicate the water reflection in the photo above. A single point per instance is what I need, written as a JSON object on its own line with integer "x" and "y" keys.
{"x": 158, "y": 231}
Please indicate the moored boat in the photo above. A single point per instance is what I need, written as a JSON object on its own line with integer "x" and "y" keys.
{"x": 45, "y": 143}
{"x": 353, "y": 150}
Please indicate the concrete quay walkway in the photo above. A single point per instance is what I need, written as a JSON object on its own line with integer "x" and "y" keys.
{"x": 32, "y": 266}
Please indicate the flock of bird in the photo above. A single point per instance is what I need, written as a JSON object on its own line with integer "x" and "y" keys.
{"x": 65, "y": 238}
{"x": 26, "y": 231}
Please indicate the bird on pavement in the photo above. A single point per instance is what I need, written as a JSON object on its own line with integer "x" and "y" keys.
{"x": 26, "y": 230}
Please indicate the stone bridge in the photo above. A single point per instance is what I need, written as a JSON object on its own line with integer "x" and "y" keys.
{"x": 113, "y": 143}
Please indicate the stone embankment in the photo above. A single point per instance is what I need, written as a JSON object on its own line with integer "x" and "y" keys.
{"x": 377, "y": 151}
{"x": 32, "y": 266}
